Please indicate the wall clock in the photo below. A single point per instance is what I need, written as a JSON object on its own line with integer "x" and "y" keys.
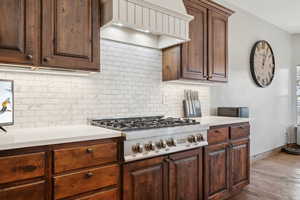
{"x": 262, "y": 63}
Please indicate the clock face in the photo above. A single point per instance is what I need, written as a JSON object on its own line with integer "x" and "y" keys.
{"x": 262, "y": 64}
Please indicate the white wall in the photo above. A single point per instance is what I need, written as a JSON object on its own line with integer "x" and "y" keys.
{"x": 271, "y": 107}
{"x": 129, "y": 84}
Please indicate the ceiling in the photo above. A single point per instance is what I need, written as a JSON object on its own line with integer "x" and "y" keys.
{"x": 282, "y": 13}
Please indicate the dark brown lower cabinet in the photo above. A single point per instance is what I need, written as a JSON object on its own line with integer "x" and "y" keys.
{"x": 217, "y": 164}
{"x": 240, "y": 164}
{"x": 227, "y": 161}
{"x": 174, "y": 177}
{"x": 146, "y": 180}
{"x": 32, "y": 191}
{"x": 185, "y": 175}
{"x": 88, "y": 170}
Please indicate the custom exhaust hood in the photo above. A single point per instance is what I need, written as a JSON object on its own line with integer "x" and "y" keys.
{"x": 151, "y": 23}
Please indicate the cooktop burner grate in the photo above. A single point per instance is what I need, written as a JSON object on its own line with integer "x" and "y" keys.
{"x": 142, "y": 123}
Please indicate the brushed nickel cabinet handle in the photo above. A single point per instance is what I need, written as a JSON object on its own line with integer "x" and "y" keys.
{"x": 46, "y": 59}
{"x": 29, "y": 57}
{"x": 89, "y": 175}
{"x": 89, "y": 150}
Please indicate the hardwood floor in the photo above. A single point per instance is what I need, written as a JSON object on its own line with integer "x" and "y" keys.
{"x": 274, "y": 178}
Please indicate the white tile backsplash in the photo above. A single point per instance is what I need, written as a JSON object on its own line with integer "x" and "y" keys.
{"x": 130, "y": 84}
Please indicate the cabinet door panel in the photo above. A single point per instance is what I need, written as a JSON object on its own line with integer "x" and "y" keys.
{"x": 185, "y": 176}
{"x": 217, "y": 164}
{"x": 145, "y": 180}
{"x": 194, "y": 52}
{"x": 32, "y": 191}
{"x": 18, "y": 31}
{"x": 218, "y": 28}
{"x": 240, "y": 164}
{"x": 71, "y": 34}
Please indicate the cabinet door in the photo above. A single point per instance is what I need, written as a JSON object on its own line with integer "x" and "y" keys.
{"x": 185, "y": 175}
{"x": 217, "y": 171}
{"x": 19, "y": 31}
{"x": 218, "y": 44}
{"x": 32, "y": 191}
{"x": 145, "y": 180}
{"x": 71, "y": 34}
{"x": 240, "y": 164}
{"x": 194, "y": 52}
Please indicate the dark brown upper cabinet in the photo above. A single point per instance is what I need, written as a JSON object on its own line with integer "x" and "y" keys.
{"x": 71, "y": 34}
{"x": 204, "y": 57}
{"x": 53, "y": 34}
{"x": 217, "y": 46}
{"x": 194, "y": 53}
{"x": 18, "y": 31}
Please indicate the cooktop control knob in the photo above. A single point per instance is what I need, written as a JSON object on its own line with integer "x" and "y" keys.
{"x": 200, "y": 138}
{"x": 150, "y": 146}
{"x": 161, "y": 144}
{"x": 138, "y": 148}
{"x": 192, "y": 139}
{"x": 171, "y": 142}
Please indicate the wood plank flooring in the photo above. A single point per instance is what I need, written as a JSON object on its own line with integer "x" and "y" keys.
{"x": 274, "y": 178}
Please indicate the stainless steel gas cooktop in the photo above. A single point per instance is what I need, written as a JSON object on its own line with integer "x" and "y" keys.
{"x": 153, "y": 136}
{"x": 142, "y": 123}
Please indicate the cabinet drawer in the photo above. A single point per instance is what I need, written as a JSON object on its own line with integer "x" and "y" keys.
{"x": 239, "y": 131}
{"x": 84, "y": 181}
{"x": 86, "y": 156}
{"x": 20, "y": 167}
{"x": 218, "y": 135}
{"x": 106, "y": 195}
{"x": 33, "y": 191}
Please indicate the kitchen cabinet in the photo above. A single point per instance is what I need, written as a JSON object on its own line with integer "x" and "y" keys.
{"x": 217, "y": 46}
{"x": 194, "y": 53}
{"x": 204, "y": 57}
{"x": 174, "y": 177}
{"x": 32, "y": 191}
{"x": 217, "y": 164}
{"x": 145, "y": 180}
{"x": 53, "y": 34}
{"x": 240, "y": 164}
{"x": 82, "y": 170}
{"x": 185, "y": 175}
{"x": 227, "y": 161}
{"x": 19, "y": 31}
{"x": 71, "y": 34}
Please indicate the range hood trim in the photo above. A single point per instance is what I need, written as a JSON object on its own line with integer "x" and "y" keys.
{"x": 143, "y": 3}
{"x": 143, "y": 16}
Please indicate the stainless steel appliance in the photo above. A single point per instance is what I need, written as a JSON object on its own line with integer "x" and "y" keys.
{"x": 147, "y": 137}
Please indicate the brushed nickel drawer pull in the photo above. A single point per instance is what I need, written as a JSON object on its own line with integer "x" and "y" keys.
{"x": 29, "y": 57}
{"x": 89, "y": 175}
{"x": 89, "y": 150}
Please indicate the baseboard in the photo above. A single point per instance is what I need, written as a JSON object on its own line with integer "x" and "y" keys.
{"x": 265, "y": 154}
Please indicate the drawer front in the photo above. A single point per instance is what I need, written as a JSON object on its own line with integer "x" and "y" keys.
{"x": 218, "y": 135}
{"x": 84, "y": 181}
{"x": 33, "y": 191}
{"x": 239, "y": 131}
{"x": 87, "y": 156}
{"x": 21, "y": 167}
{"x": 106, "y": 195}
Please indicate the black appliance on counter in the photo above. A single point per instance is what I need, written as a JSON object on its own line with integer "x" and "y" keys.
{"x": 242, "y": 112}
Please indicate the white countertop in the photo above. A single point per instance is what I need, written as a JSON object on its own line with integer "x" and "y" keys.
{"x": 217, "y": 121}
{"x": 30, "y": 137}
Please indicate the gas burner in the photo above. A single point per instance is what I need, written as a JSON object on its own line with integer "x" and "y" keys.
{"x": 142, "y": 123}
